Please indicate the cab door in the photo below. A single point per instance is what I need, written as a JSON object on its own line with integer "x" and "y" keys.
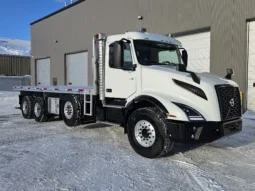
{"x": 119, "y": 82}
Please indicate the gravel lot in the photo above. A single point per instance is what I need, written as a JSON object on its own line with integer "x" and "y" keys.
{"x": 52, "y": 156}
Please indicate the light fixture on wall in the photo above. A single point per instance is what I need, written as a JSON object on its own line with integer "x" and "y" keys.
{"x": 140, "y": 17}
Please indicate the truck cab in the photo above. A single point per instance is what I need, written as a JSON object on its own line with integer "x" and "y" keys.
{"x": 148, "y": 72}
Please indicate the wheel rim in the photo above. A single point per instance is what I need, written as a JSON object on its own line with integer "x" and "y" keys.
{"x": 68, "y": 110}
{"x": 25, "y": 107}
{"x": 37, "y": 109}
{"x": 145, "y": 133}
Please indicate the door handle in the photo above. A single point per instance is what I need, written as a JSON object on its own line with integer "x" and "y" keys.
{"x": 131, "y": 78}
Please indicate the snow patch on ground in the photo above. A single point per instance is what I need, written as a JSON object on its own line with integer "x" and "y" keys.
{"x": 52, "y": 156}
{"x": 249, "y": 115}
{"x": 8, "y": 102}
{"x": 200, "y": 177}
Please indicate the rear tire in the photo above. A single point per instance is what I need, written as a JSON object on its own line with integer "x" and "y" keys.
{"x": 72, "y": 110}
{"x": 40, "y": 110}
{"x": 147, "y": 133}
{"x": 27, "y": 107}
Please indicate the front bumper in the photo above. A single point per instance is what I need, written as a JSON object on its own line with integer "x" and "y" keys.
{"x": 202, "y": 132}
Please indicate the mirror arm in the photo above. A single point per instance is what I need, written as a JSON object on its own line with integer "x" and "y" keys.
{"x": 228, "y": 76}
{"x": 124, "y": 39}
{"x": 134, "y": 66}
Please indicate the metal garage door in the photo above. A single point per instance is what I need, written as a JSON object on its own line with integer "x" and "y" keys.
{"x": 43, "y": 72}
{"x": 198, "y": 47}
{"x": 251, "y": 67}
{"x": 77, "y": 69}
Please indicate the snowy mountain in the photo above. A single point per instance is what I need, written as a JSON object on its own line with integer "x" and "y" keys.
{"x": 15, "y": 47}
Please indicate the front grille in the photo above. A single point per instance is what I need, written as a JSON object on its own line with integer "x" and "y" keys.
{"x": 233, "y": 125}
{"x": 229, "y": 101}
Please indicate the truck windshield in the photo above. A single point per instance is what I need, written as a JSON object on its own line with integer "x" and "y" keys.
{"x": 157, "y": 53}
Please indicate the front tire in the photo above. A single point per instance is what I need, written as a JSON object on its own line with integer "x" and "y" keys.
{"x": 72, "y": 110}
{"x": 147, "y": 133}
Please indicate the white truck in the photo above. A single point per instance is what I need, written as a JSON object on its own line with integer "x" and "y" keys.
{"x": 141, "y": 82}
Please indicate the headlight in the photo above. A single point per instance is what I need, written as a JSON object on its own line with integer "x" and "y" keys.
{"x": 193, "y": 89}
{"x": 191, "y": 113}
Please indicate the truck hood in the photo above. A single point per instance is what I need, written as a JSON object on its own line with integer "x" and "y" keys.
{"x": 158, "y": 81}
{"x": 205, "y": 77}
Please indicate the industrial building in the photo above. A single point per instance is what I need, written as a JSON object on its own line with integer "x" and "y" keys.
{"x": 13, "y": 65}
{"x": 14, "y": 57}
{"x": 217, "y": 35}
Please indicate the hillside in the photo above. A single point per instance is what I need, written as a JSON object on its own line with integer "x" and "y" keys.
{"x": 15, "y": 47}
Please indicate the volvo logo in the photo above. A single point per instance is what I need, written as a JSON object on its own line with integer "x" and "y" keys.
{"x": 232, "y": 102}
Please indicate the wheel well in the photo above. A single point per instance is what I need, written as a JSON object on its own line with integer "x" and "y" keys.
{"x": 140, "y": 102}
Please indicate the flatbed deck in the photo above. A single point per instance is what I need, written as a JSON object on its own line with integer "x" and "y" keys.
{"x": 56, "y": 89}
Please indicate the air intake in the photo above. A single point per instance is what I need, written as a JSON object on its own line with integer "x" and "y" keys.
{"x": 195, "y": 90}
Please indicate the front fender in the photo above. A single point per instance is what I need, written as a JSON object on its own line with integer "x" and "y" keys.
{"x": 164, "y": 104}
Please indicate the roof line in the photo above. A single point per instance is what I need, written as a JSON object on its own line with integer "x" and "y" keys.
{"x": 58, "y": 11}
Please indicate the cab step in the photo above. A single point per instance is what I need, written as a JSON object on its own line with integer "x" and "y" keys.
{"x": 115, "y": 106}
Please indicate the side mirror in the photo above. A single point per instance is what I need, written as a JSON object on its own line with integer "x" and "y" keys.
{"x": 185, "y": 57}
{"x": 118, "y": 54}
{"x": 230, "y": 72}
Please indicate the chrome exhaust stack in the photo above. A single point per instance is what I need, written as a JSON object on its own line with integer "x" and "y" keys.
{"x": 99, "y": 42}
